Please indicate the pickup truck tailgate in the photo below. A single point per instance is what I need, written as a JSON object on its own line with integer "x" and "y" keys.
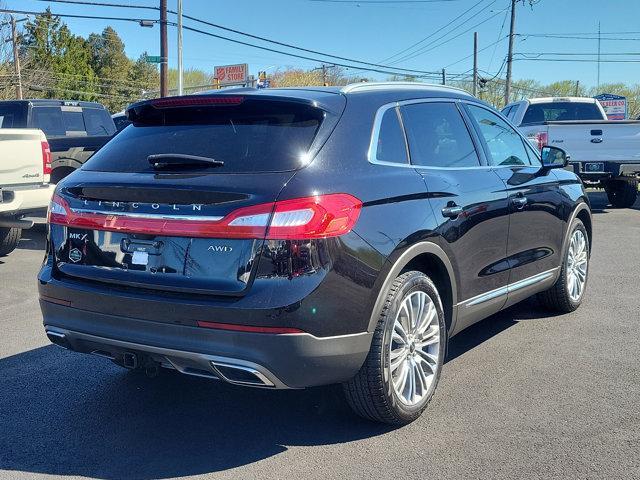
{"x": 21, "y": 156}
{"x": 614, "y": 141}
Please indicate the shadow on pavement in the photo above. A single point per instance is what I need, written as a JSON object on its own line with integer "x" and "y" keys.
{"x": 65, "y": 413}
{"x": 34, "y": 238}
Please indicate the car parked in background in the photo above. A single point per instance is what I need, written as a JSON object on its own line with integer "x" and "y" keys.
{"x": 603, "y": 153}
{"x": 75, "y": 130}
{"x": 120, "y": 120}
{"x": 288, "y": 238}
{"x": 25, "y": 166}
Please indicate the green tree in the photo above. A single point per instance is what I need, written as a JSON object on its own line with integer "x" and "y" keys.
{"x": 112, "y": 67}
{"x": 57, "y": 63}
{"x": 144, "y": 75}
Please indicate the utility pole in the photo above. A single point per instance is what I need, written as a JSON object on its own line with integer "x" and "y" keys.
{"x": 16, "y": 58}
{"x": 475, "y": 64}
{"x": 164, "y": 57}
{"x": 507, "y": 89}
{"x": 599, "y": 39}
{"x": 180, "y": 79}
{"x": 324, "y": 75}
{"x": 444, "y": 77}
{"x": 577, "y": 87}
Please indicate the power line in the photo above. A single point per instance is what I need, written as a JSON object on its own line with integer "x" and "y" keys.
{"x": 481, "y": 50}
{"x": 388, "y": 2}
{"x": 102, "y": 4}
{"x": 425, "y": 48}
{"x": 70, "y": 15}
{"x": 246, "y": 34}
{"x": 433, "y": 33}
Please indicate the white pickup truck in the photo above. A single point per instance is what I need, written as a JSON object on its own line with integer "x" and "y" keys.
{"x": 603, "y": 153}
{"x": 25, "y": 168}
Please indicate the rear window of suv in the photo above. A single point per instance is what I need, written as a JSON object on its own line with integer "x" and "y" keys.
{"x": 561, "y": 111}
{"x": 256, "y": 136}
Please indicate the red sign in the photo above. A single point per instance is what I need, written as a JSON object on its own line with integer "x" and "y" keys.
{"x": 232, "y": 74}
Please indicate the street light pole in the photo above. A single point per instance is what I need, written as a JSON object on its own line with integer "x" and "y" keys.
{"x": 180, "y": 78}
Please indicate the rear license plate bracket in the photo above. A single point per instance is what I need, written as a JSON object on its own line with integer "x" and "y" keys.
{"x": 593, "y": 167}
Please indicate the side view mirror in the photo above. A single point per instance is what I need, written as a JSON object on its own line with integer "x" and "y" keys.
{"x": 554, "y": 157}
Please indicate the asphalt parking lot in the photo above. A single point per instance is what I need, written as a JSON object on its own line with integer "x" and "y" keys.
{"x": 523, "y": 395}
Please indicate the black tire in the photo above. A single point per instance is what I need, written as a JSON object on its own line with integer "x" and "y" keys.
{"x": 557, "y": 298}
{"x": 9, "y": 238}
{"x": 622, "y": 192}
{"x": 370, "y": 393}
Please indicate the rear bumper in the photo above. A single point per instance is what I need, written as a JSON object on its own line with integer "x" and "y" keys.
{"x": 17, "y": 200}
{"x": 283, "y": 361}
{"x": 610, "y": 169}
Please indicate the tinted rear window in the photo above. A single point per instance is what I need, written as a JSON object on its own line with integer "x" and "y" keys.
{"x": 561, "y": 111}
{"x": 49, "y": 120}
{"x": 252, "y": 137}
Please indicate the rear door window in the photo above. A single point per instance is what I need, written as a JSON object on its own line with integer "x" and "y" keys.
{"x": 98, "y": 122}
{"x": 438, "y": 136}
{"x": 49, "y": 120}
{"x": 256, "y": 136}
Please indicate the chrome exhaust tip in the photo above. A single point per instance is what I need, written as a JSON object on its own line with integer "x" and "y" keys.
{"x": 241, "y": 375}
{"x": 59, "y": 339}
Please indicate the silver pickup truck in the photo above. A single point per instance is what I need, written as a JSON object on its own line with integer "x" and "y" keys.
{"x": 605, "y": 154}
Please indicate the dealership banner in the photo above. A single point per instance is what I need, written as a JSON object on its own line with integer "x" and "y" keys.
{"x": 615, "y": 106}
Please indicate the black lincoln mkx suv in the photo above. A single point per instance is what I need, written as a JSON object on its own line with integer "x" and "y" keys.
{"x": 288, "y": 238}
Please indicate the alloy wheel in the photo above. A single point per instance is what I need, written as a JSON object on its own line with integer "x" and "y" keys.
{"x": 414, "y": 350}
{"x": 577, "y": 265}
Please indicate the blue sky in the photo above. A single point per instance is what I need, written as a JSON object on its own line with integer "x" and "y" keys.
{"x": 375, "y": 31}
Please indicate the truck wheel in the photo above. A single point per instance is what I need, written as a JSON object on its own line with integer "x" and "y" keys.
{"x": 622, "y": 192}
{"x": 402, "y": 369}
{"x": 9, "y": 238}
{"x": 566, "y": 294}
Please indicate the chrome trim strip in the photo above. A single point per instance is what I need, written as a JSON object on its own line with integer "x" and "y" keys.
{"x": 512, "y": 287}
{"x": 152, "y": 216}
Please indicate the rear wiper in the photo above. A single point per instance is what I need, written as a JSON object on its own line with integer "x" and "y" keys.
{"x": 167, "y": 160}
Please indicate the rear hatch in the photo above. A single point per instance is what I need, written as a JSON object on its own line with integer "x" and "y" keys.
{"x": 21, "y": 156}
{"x": 180, "y": 201}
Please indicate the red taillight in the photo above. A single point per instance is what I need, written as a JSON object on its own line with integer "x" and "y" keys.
{"x": 249, "y": 328}
{"x": 320, "y": 216}
{"x": 58, "y": 211}
{"x": 196, "y": 101}
{"x": 542, "y": 138}
{"x": 46, "y": 158}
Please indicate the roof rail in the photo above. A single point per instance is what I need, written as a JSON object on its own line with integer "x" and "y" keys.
{"x": 364, "y": 86}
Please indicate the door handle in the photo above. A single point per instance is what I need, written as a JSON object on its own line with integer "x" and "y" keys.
{"x": 452, "y": 212}
{"x": 519, "y": 202}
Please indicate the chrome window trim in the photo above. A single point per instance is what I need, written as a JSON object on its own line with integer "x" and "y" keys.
{"x": 510, "y": 288}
